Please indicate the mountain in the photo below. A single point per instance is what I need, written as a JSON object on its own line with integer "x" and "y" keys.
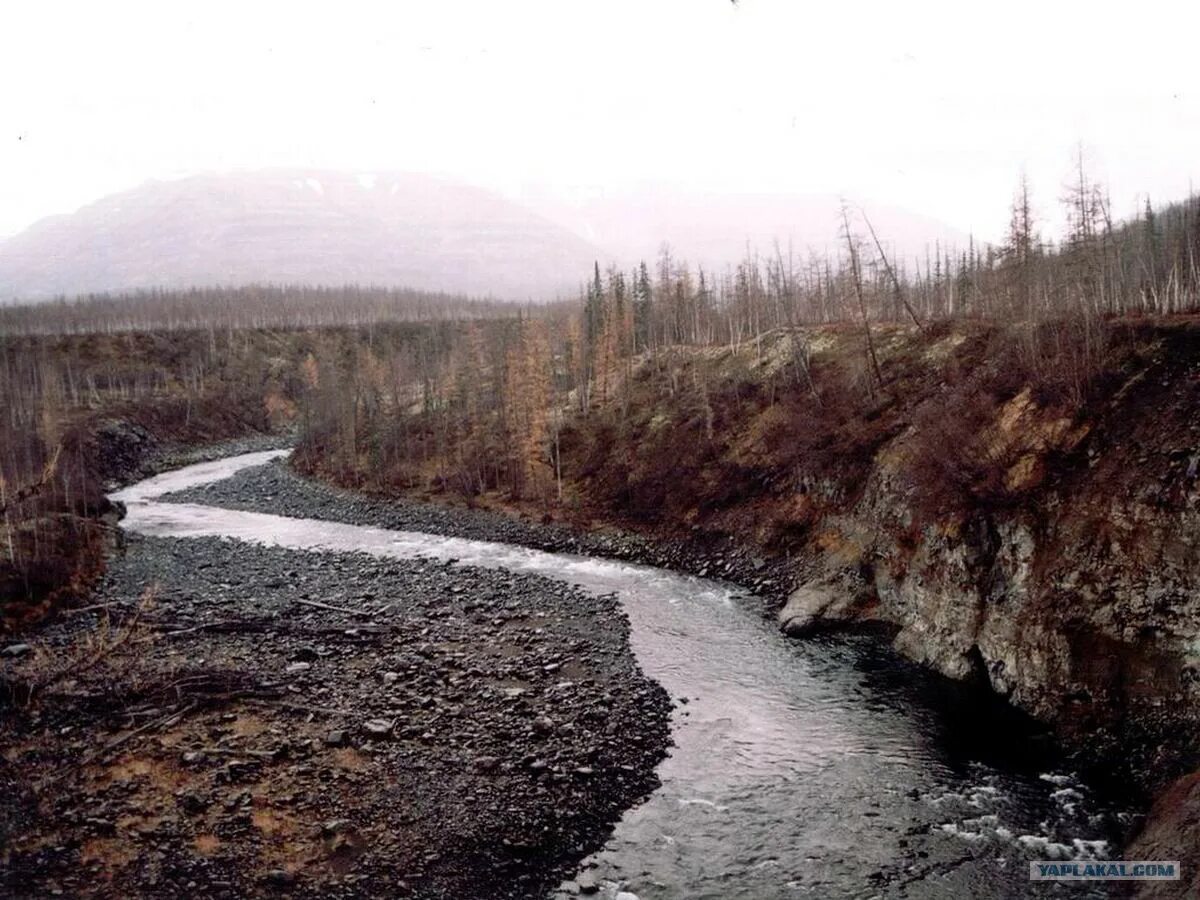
{"x": 318, "y": 228}
{"x": 715, "y": 228}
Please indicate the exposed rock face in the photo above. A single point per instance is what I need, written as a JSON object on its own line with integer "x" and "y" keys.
{"x": 1083, "y": 609}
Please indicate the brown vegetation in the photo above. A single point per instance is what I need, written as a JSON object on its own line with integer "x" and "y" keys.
{"x": 662, "y": 398}
{"x": 82, "y": 411}
{"x": 616, "y": 402}
{"x": 254, "y": 306}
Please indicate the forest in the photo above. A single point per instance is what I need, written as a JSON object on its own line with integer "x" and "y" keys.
{"x": 784, "y": 373}
{"x": 501, "y": 407}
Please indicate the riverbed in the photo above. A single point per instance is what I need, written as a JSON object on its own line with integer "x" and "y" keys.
{"x": 825, "y": 768}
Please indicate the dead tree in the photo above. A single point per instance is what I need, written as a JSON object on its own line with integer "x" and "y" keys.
{"x": 856, "y": 275}
{"x": 899, "y": 291}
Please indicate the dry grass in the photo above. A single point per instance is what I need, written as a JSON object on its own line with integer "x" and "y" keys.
{"x": 107, "y": 654}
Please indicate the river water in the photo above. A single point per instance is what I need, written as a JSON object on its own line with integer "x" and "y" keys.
{"x": 824, "y": 768}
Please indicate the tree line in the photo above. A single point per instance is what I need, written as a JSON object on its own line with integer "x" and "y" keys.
{"x": 487, "y": 410}
{"x": 409, "y": 389}
{"x": 239, "y": 308}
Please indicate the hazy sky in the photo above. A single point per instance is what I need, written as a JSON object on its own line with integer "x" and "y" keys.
{"x": 934, "y": 106}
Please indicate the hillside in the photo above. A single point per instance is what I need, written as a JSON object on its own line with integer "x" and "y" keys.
{"x": 999, "y": 521}
{"x": 297, "y": 227}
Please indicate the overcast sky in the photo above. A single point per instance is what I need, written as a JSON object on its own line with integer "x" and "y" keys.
{"x": 933, "y": 106}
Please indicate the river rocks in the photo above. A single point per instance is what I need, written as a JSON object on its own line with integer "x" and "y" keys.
{"x": 481, "y": 729}
{"x": 277, "y": 489}
{"x": 487, "y": 763}
{"x": 378, "y": 728}
{"x": 280, "y": 878}
{"x": 588, "y": 883}
{"x": 813, "y": 606}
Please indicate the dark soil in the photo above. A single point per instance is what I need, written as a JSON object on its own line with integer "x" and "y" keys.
{"x": 446, "y": 732}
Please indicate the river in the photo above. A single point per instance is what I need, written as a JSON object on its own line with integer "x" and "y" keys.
{"x": 823, "y": 768}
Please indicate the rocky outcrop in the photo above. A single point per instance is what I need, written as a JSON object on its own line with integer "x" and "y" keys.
{"x": 1080, "y": 605}
{"x": 811, "y": 607}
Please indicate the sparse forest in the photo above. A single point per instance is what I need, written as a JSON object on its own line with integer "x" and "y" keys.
{"x": 829, "y": 341}
{"x": 657, "y": 374}
{"x": 255, "y": 306}
{"x": 85, "y": 409}
{"x": 477, "y": 451}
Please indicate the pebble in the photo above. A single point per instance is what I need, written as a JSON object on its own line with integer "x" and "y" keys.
{"x": 378, "y": 727}
{"x": 475, "y": 712}
{"x": 588, "y": 883}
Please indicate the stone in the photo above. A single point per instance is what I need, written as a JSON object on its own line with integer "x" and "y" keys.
{"x": 487, "y": 763}
{"x": 806, "y": 609}
{"x": 16, "y": 650}
{"x": 588, "y": 883}
{"x": 335, "y": 826}
{"x": 336, "y": 739}
{"x": 280, "y": 877}
{"x": 378, "y": 727}
{"x": 192, "y": 803}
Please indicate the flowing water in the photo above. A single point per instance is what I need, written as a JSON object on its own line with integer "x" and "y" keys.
{"x": 821, "y": 768}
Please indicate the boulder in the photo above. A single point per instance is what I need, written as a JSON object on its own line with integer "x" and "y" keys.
{"x": 806, "y": 609}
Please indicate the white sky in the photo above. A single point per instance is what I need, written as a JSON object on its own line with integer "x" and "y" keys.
{"x": 934, "y": 106}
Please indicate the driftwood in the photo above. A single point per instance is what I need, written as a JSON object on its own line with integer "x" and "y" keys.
{"x": 342, "y": 609}
{"x": 259, "y": 626}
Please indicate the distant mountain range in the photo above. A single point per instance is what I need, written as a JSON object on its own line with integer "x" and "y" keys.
{"x": 404, "y": 230}
{"x": 316, "y": 228}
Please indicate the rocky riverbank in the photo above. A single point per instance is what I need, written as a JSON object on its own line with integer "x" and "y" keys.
{"x": 276, "y": 488}
{"x": 227, "y": 720}
{"x": 953, "y": 602}
{"x": 843, "y": 600}
{"x": 127, "y": 452}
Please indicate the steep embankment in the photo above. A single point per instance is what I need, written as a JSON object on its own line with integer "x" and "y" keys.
{"x": 1022, "y": 512}
{"x": 1025, "y": 513}
{"x": 1019, "y": 508}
